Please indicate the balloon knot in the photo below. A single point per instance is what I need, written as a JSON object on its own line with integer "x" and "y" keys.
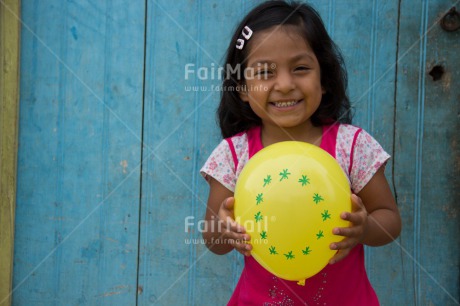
{"x": 301, "y": 282}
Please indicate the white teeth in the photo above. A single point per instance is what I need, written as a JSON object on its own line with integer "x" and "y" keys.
{"x": 285, "y": 104}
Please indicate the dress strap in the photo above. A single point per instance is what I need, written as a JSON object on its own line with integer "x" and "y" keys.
{"x": 329, "y": 138}
{"x": 355, "y": 137}
{"x": 232, "y": 149}
{"x": 254, "y": 141}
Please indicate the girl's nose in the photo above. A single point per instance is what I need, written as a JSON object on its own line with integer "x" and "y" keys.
{"x": 284, "y": 82}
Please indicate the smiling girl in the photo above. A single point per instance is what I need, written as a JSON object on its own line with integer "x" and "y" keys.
{"x": 301, "y": 72}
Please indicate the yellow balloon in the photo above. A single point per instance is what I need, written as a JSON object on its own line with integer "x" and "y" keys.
{"x": 289, "y": 197}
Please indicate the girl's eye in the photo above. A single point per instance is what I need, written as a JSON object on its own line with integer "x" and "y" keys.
{"x": 263, "y": 73}
{"x": 301, "y": 68}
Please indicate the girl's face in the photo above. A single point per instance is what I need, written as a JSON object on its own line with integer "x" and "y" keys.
{"x": 285, "y": 89}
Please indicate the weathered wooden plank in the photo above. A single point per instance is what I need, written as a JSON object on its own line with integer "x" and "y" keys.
{"x": 173, "y": 183}
{"x": 166, "y": 262}
{"x": 9, "y": 107}
{"x": 79, "y": 156}
{"x": 426, "y": 164}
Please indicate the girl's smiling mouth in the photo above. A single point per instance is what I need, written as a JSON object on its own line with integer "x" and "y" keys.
{"x": 285, "y": 104}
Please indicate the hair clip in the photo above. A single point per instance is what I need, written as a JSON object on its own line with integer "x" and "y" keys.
{"x": 247, "y": 33}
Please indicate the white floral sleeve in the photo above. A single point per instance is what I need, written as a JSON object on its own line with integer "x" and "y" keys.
{"x": 368, "y": 157}
{"x": 220, "y": 166}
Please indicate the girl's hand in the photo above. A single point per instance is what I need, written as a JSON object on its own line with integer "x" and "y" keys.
{"x": 353, "y": 234}
{"x": 233, "y": 233}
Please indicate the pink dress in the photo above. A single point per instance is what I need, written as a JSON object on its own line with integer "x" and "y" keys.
{"x": 344, "y": 283}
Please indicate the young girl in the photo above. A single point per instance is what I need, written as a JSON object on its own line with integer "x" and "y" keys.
{"x": 294, "y": 88}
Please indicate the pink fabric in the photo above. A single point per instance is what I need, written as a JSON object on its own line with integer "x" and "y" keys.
{"x": 254, "y": 141}
{"x": 344, "y": 283}
{"x": 328, "y": 140}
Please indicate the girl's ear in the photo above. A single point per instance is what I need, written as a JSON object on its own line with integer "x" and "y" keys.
{"x": 242, "y": 92}
{"x": 323, "y": 90}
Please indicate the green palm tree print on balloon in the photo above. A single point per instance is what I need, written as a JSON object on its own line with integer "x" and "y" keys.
{"x": 267, "y": 180}
{"x": 325, "y": 215}
{"x": 319, "y": 235}
{"x": 304, "y": 180}
{"x": 289, "y": 255}
{"x": 317, "y": 198}
{"x": 259, "y": 198}
{"x": 284, "y": 174}
{"x": 306, "y": 251}
{"x": 263, "y": 235}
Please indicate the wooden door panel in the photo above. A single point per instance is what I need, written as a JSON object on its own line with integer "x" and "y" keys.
{"x": 426, "y": 159}
{"x": 79, "y": 153}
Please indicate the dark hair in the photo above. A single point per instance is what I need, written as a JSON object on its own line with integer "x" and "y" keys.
{"x": 236, "y": 116}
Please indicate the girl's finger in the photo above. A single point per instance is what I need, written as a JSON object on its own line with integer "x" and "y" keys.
{"x": 349, "y": 232}
{"x": 356, "y": 218}
{"x": 226, "y": 209}
{"x": 356, "y": 202}
{"x": 228, "y": 203}
{"x": 228, "y": 234}
{"x": 243, "y": 247}
{"x": 339, "y": 256}
{"x": 230, "y": 225}
{"x": 343, "y": 245}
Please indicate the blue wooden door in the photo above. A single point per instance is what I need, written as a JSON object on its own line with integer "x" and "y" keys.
{"x": 80, "y": 153}
{"x": 426, "y": 155}
{"x": 114, "y": 128}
